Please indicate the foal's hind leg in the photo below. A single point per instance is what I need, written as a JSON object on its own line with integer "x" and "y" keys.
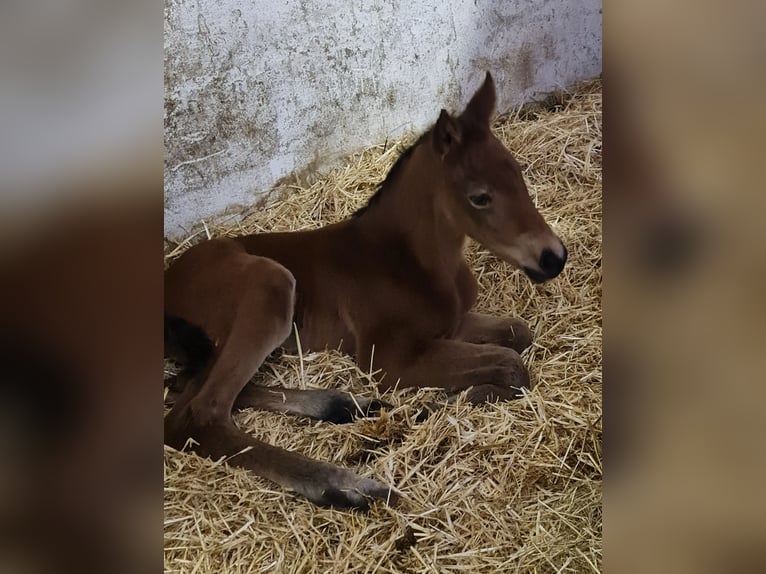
{"x": 502, "y": 331}
{"x": 203, "y": 412}
{"x": 326, "y": 405}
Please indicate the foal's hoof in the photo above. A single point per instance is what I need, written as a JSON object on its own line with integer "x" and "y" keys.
{"x": 341, "y": 488}
{"x": 343, "y": 408}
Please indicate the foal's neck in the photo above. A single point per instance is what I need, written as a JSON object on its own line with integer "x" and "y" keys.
{"x": 411, "y": 208}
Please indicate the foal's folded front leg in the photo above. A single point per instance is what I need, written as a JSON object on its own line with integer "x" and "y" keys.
{"x": 491, "y": 372}
{"x": 501, "y": 331}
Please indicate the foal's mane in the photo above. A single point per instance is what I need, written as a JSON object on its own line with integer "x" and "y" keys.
{"x": 391, "y": 176}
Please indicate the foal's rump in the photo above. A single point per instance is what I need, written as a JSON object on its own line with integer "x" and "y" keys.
{"x": 214, "y": 284}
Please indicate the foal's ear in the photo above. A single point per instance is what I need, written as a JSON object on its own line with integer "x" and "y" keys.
{"x": 446, "y": 134}
{"x": 479, "y": 110}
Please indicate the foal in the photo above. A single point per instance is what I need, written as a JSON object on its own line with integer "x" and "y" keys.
{"x": 389, "y": 285}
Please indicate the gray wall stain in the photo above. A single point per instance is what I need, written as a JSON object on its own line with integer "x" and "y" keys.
{"x": 257, "y": 91}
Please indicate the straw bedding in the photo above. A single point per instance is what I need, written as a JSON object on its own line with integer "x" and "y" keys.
{"x": 513, "y": 487}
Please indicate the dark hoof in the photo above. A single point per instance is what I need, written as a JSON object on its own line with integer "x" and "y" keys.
{"x": 360, "y": 499}
{"x": 344, "y": 409}
{"x": 341, "y": 488}
{"x": 427, "y": 410}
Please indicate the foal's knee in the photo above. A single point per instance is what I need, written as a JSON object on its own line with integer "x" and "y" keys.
{"x": 506, "y": 380}
{"x": 278, "y": 283}
{"x": 276, "y": 288}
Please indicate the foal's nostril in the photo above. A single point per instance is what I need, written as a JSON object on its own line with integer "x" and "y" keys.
{"x": 551, "y": 264}
{"x": 548, "y": 260}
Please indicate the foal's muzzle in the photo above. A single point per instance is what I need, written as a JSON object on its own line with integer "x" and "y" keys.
{"x": 550, "y": 264}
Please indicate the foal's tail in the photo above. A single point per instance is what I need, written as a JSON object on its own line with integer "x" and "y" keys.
{"x": 187, "y": 344}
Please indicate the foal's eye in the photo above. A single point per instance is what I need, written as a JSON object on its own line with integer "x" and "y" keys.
{"x": 480, "y": 200}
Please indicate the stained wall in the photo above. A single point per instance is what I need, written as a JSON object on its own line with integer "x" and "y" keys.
{"x": 255, "y": 91}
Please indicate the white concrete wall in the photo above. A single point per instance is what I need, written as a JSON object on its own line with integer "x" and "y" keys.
{"x": 257, "y": 90}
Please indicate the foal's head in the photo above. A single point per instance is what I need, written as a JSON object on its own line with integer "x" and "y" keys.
{"x": 485, "y": 191}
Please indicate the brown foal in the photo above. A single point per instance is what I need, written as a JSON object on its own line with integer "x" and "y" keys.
{"x": 389, "y": 285}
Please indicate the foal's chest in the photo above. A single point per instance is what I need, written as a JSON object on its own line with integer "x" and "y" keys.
{"x": 432, "y": 307}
